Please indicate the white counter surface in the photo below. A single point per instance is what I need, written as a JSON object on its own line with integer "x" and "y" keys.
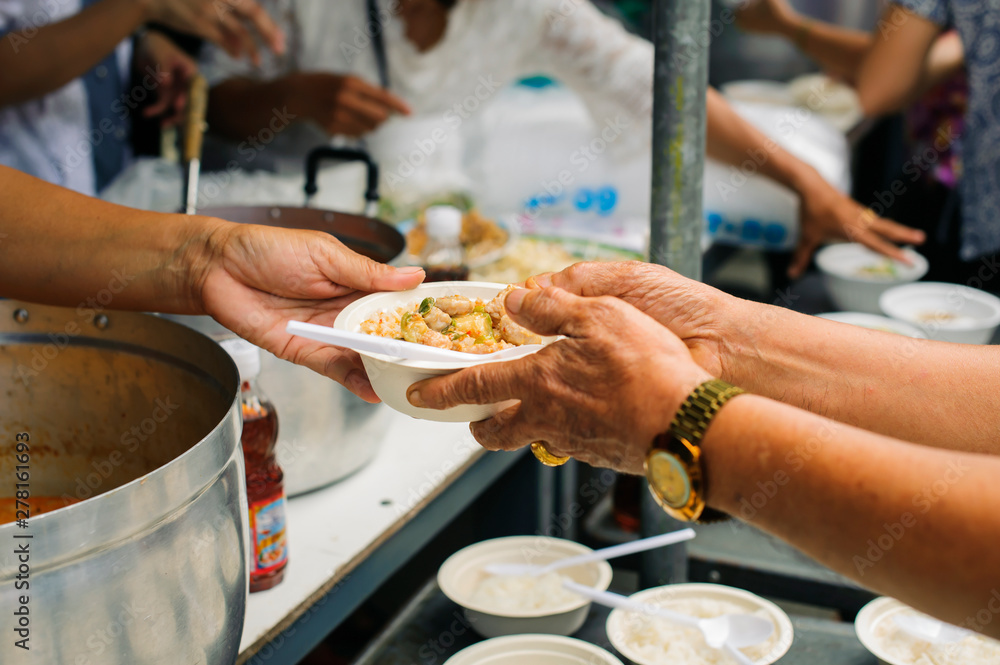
{"x": 332, "y": 530}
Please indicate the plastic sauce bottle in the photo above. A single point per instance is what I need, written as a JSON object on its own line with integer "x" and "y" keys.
{"x": 443, "y": 257}
{"x": 265, "y": 488}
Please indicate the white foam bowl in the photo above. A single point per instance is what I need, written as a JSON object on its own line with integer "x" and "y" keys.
{"x": 851, "y": 291}
{"x": 461, "y": 574}
{"x": 974, "y": 314}
{"x": 533, "y": 650}
{"x": 619, "y": 620}
{"x": 875, "y": 322}
{"x": 391, "y": 377}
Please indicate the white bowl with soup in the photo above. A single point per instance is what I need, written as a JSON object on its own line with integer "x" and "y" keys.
{"x": 533, "y": 650}
{"x": 498, "y": 605}
{"x": 948, "y": 312}
{"x": 385, "y": 313}
{"x": 855, "y": 276}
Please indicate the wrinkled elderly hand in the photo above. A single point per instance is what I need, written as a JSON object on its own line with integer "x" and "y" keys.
{"x": 694, "y": 312}
{"x": 254, "y": 279}
{"x": 600, "y": 395}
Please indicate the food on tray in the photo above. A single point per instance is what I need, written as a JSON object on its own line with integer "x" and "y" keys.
{"x": 881, "y": 270}
{"x": 453, "y": 322}
{"x": 36, "y": 505}
{"x": 660, "y": 641}
{"x": 522, "y": 593}
{"x": 479, "y": 236}
{"x": 903, "y": 648}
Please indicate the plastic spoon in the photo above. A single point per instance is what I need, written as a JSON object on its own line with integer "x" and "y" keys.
{"x": 642, "y": 545}
{"x": 400, "y": 349}
{"x": 732, "y": 630}
{"x": 930, "y": 630}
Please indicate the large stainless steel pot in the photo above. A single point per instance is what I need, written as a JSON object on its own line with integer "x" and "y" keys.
{"x": 139, "y": 417}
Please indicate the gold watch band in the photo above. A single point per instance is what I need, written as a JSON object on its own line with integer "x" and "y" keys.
{"x": 674, "y": 466}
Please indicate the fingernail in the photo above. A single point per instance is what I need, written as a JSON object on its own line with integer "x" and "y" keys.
{"x": 514, "y": 300}
{"x": 415, "y": 398}
{"x": 357, "y": 382}
{"x": 543, "y": 281}
{"x": 409, "y": 270}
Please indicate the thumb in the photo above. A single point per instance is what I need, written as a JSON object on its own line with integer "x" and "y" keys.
{"x": 552, "y": 311}
{"x": 800, "y": 260}
{"x": 348, "y": 268}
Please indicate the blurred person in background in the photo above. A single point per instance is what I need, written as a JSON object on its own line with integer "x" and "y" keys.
{"x": 914, "y": 61}
{"x": 335, "y": 80}
{"x": 65, "y": 106}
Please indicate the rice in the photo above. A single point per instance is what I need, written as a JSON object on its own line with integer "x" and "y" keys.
{"x": 512, "y": 594}
{"x": 659, "y": 641}
{"x": 902, "y": 647}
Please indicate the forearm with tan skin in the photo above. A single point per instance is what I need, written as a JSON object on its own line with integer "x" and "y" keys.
{"x": 894, "y": 72}
{"x": 45, "y": 59}
{"x": 241, "y": 107}
{"x": 918, "y": 390}
{"x": 339, "y": 104}
{"x": 841, "y": 51}
{"x": 60, "y": 52}
{"x": 62, "y": 248}
{"x": 834, "y": 491}
{"x": 908, "y": 521}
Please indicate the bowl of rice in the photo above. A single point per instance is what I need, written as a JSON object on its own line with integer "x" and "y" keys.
{"x": 383, "y": 314}
{"x": 650, "y": 640}
{"x": 533, "y": 650}
{"x": 877, "y": 630}
{"x": 498, "y": 605}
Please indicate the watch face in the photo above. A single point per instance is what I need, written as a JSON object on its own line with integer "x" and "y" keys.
{"x": 668, "y": 477}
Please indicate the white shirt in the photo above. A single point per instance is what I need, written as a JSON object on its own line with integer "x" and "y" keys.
{"x": 50, "y": 137}
{"x": 487, "y": 44}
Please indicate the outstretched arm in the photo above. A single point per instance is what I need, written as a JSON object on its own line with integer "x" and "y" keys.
{"x": 37, "y": 63}
{"x": 913, "y": 522}
{"x": 62, "y": 248}
{"x": 935, "y": 393}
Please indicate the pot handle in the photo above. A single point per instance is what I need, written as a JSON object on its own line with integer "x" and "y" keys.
{"x": 325, "y": 152}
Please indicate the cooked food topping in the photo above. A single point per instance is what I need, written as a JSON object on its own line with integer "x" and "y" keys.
{"x": 453, "y": 322}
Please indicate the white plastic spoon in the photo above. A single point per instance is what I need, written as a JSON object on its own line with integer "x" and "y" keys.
{"x": 930, "y": 630}
{"x": 642, "y": 545}
{"x": 400, "y": 349}
{"x": 729, "y": 630}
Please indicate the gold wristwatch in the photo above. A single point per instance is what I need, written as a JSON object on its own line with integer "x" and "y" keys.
{"x": 673, "y": 463}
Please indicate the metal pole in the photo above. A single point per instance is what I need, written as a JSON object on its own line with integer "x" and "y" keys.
{"x": 680, "y": 81}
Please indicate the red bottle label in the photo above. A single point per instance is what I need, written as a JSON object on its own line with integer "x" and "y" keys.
{"x": 268, "y": 534}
